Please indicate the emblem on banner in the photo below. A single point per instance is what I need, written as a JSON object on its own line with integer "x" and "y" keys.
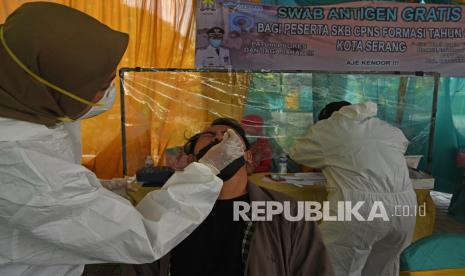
{"x": 207, "y": 5}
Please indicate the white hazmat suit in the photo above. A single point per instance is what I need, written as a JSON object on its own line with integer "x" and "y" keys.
{"x": 55, "y": 216}
{"x": 362, "y": 159}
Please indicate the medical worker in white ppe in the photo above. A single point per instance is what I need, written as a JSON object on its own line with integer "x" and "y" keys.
{"x": 56, "y": 68}
{"x": 362, "y": 158}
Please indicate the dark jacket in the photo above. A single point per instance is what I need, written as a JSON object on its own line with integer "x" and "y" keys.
{"x": 277, "y": 248}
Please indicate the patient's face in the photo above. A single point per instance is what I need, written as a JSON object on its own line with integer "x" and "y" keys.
{"x": 213, "y": 133}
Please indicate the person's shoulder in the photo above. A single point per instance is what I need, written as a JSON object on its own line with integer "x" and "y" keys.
{"x": 386, "y": 126}
{"x": 295, "y": 209}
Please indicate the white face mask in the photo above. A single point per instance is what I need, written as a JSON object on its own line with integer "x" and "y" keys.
{"x": 106, "y": 102}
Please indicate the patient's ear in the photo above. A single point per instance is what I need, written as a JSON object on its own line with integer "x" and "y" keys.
{"x": 248, "y": 157}
{"x": 249, "y": 166}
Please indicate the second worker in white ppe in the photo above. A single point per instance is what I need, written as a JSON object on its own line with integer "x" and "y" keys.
{"x": 362, "y": 158}
{"x": 57, "y": 66}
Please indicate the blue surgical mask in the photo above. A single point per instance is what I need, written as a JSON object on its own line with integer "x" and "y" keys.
{"x": 215, "y": 42}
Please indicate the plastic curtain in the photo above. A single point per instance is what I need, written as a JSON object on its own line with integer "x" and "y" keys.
{"x": 291, "y": 102}
{"x": 281, "y": 106}
{"x": 174, "y": 106}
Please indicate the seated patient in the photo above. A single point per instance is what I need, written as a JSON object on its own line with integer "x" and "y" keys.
{"x": 221, "y": 246}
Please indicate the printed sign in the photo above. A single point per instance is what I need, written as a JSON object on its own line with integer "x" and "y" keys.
{"x": 358, "y": 36}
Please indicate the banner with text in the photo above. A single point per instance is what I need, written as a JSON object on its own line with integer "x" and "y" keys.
{"x": 357, "y": 36}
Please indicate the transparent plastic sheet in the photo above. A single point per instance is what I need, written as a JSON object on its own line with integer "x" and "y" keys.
{"x": 291, "y": 103}
{"x": 166, "y": 108}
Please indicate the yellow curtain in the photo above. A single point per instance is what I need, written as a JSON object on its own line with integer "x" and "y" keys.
{"x": 162, "y": 35}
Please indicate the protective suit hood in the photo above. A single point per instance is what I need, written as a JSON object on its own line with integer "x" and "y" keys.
{"x": 67, "y": 219}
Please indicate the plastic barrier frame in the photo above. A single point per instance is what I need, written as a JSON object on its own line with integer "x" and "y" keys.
{"x": 435, "y": 75}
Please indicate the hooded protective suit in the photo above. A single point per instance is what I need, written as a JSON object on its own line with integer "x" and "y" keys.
{"x": 55, "y": 216}
{"x": 362, "y": 159}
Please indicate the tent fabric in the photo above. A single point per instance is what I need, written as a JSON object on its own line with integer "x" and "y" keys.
{"x": 441, "y": 251}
